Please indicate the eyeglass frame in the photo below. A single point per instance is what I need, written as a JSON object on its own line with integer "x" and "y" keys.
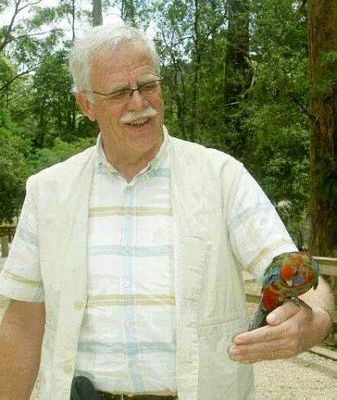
{"x": 126, "y": 90}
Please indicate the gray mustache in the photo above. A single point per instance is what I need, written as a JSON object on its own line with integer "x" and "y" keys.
{"x": 131, "y": 116}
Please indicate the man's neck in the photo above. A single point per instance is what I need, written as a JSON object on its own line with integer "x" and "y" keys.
{"x": 129, "y": 165}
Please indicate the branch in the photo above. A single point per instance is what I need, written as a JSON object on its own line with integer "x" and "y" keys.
{"x": 28, "y": 5}
{"x": 234, "y": 103}
{"x": 10, "y": 28}
{"x": 8, "y": 83}
{"x": 303, "y": 108}
{"x": 30, "y": 35}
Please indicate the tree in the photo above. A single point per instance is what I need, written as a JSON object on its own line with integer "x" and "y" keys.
{"x": 97, "y": 17}
{"x": 274, "y": 140}
{"x": 192, "y": 45}
{"x": 60, "y": 151}
{"x": 13, "y": 168}
{"x": 322, "y": 32}
{"x": 128, "y": 12}
{"x": 25, "y": 39}
{"x": 237, "y": 68}
{"x": 52, "y": 101}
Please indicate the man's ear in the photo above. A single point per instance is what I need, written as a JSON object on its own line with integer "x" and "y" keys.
{"x": 85, "y": 105}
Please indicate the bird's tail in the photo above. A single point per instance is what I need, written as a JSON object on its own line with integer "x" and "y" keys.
{"x": 259, "y": 318}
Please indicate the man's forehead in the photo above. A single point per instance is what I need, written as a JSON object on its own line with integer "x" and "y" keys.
{"x": 111, "y": 67}
{"x": 125, "y": 57}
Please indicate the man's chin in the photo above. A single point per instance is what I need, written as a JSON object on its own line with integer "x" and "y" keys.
{"x": 142, "y": 140}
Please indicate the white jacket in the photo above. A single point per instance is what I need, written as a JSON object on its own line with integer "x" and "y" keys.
{"x": 210, "y": 301}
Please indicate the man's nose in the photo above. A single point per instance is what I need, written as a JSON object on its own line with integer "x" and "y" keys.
{"x": 136, "y": 101}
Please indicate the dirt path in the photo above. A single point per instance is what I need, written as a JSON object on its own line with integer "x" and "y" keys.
{"x": 306, "y": 376}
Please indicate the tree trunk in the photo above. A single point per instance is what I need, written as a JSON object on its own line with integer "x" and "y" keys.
{"x": 322, "y": 34}
{"x": 128, "y": 13}
{"x": 196, "y": 72}
{"x": 73, "y": 19}
{"x": 236, "y": 66}
{"x": 97, "y": 18}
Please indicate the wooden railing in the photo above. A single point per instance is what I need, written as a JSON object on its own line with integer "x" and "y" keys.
{"x": 328, "y": 266}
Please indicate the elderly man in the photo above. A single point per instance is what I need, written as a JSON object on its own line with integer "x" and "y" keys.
{"x": 126, "y": 267}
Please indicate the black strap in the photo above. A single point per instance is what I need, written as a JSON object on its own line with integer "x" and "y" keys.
{"x": 108, "y": 396}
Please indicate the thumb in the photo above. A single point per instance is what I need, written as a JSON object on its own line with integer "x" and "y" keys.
{"x": 283, "y": 313}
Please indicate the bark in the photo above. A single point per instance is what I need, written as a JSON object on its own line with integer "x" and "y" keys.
{"x": 196, "y": 72}
{"x": 73, "y": 19}
{"x": 97, "y": 18}
{"x": 128, "y": 13}
{"x": 236, "y": 66}
{"x": 322, "y": 35}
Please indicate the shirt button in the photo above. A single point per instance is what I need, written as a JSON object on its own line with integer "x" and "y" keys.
{"x": 127, "y": 325}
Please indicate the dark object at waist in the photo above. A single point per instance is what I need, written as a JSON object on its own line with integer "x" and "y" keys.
{"x": 109, "y": 396}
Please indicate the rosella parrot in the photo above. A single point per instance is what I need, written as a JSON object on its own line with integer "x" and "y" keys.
{"x": 288, "y": 276}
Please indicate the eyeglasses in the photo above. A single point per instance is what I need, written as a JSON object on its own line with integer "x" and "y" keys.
{"x": 146, "y": 88}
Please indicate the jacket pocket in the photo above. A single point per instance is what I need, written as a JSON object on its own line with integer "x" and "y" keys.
{"x": 220, "y": 377}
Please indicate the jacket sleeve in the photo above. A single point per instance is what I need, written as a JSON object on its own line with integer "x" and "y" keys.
{"x": 256, "y": 232}
{"x": 20, "y": 278}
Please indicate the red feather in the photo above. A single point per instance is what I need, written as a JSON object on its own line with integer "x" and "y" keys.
{"x": 287, "y": 272}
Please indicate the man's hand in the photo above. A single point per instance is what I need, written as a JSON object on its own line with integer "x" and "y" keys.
{"x": 292, "y": 328}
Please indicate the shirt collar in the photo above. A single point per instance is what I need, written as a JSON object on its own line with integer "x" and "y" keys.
{"x": 154, "y": 164}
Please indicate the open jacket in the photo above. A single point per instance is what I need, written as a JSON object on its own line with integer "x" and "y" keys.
{"x": 210, "y": 302}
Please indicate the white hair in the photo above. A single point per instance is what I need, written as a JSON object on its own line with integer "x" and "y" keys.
{"x": 96, "y": 39}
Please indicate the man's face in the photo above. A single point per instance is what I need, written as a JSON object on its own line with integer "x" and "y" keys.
{"x": 128, "y": 66}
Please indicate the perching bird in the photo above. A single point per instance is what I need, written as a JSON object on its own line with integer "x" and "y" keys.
{"x": 287, "y": 277}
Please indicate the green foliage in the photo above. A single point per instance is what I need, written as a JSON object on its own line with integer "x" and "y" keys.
{"x": 37, "y": 105}
{"x": 7, "y": 70}
{"x": 60, "y": 151}
{"x": 53, "y": 102}
{"x": 190, "y": 34}
{"x": 13, "y": 168}
{"x": 276, "y": 108}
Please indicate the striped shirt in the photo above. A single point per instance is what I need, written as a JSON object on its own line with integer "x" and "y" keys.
{"x": 127, "y": 340}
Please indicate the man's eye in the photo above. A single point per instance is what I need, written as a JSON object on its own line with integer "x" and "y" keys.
{"x": 148, "y": 86}
{"x": 119, "y": 94}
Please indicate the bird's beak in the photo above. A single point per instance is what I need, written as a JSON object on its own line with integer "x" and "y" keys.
{"x": 289, "y": 282}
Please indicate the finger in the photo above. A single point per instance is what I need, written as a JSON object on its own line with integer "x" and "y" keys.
{"x": 261, "y": 335}
{"x": 251, "y": 358}
{"x": 260, "y": 349}
{"x": 258, "y": 352}
{"x": 283, "y": 313}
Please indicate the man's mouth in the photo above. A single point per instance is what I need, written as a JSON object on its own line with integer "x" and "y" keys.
{"x": 139, "y": 122}
{"x": 139, "y": 118}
